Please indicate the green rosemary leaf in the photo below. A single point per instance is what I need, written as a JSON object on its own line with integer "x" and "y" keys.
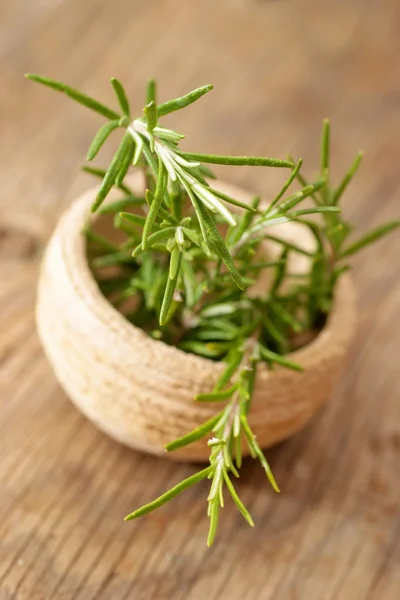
{"x": 195, "y": 434}
{"x": 304, "y": 183}
{"x": 155, "y": 238}
{"x": 139, "y": 144}
{"x": 237, "y": 500}
{"x": 178, "y": 103}
{"x": 213, "y": 238}
{"x": 179, "y": 238}
{"x": 296, "y": 198}
{"x": 150, "y": 111}
{"x": 176, "y": 257}
{"x": 125, "y": 163}
{"x": 151, "y": 92}
{"x": 270, "y": 356}
{"x": 229, "y": 462}
{"x": 174, "y": 267}
{"x": 270, "y": 221}
{"x": 216, "y": 242}
{"x": 87, "y": 101}
{"x": 214, "y": 509}
{"x": 149, "y": 156}
{"x": 156, "y": 202}
{"x": 347, "y": 178}
{"x": 370, "y": 237}
{"x": 132, "y": 218}
{"x": 216, "y": 442}
{"x": 238, "y": 448}
{"x": 314, "y": 211}
{"x": 325, "y": 145}
{"x": 286, "y": 185}
{"x": 217, "y": 396}
{"x": 266, "y": 222}
{"x": 255, "y": 161}
{"x": 245, "y": 223}
{"x": 175, "y": 194}
{"x": 177, "y": 489}
{"x": 112, "y": 171}
{"x": 233, "y": 361}
{"x": 121, "y": 95}
{"x": 232, "y": 200}
{"x": 100, "y": 138}
{"x": 189, "y": 284}
{"x": 258, "y": 452}
{"x": 206, "y": 172}
{"x": 164, "y": 214}
{"x": 122, "y": 225}
{"x": 196, "y": 239}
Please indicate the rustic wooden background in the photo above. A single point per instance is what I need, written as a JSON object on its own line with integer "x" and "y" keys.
{"x": 278, "y": 68}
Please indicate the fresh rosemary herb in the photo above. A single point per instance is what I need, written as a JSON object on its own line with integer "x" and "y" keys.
{"x": 193, "y": 283}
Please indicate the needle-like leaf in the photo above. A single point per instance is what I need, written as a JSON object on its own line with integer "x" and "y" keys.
{"x": 174, "y": 267}
{"x": 237, "y": 500}
{"x": 121, "y": 95}
{"x": 325, "y": 141}
{"x": 214, "y": 239}
{"x": 101, "y": 137}
{"x": 178, "y": 103}
{"x": 273, "y": 357}
{"x": 87, "y": 101}
{"x": 370, "y": 237}
{"x": 150, "y": 111}
{"x": 113, "y": 170}
{"x": 214, "y": 510}
{"x": 255, "y": 161}
{"x": 217, "y": 396}
{"x": 155, "y": 203}
{"x": 151, "y": 92}
{"x": 347, "y": 178}
{"x": 233, "y": 201}
{"x": 132, "y": 218}
{"x": 177, "y": 489}
{"x": 195, "y": 434}
{"x": 258, "y": 452}
{"x": 286, "y": 185}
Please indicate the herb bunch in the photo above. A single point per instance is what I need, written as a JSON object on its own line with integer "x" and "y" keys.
{"x": 190, "y": 260}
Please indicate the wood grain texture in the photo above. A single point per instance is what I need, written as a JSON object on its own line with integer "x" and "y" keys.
{"x": 278, "y": 68}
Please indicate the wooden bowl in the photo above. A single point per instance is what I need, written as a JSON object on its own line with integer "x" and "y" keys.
{"x": 107, "y": 366}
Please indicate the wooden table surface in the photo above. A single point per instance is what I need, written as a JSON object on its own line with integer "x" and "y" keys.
{"x": 278, "y": 67}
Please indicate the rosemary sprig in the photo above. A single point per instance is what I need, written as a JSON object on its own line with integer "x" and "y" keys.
{"x": 191, "y": 261}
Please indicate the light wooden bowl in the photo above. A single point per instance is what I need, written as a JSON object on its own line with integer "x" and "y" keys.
{"x": 106, "y": 365}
